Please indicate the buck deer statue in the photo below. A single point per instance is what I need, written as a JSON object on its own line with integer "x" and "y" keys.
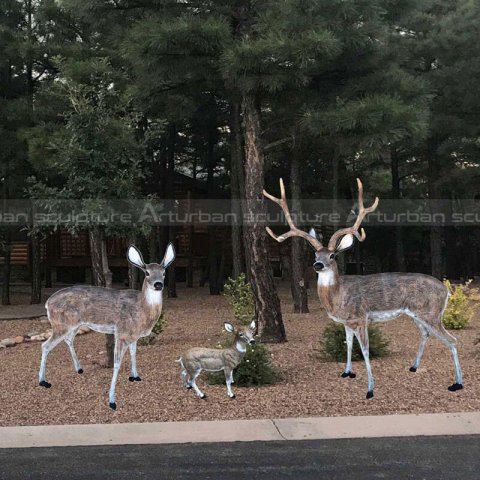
{"x": 356, "y": 301}
{"x": 127, "y": 314}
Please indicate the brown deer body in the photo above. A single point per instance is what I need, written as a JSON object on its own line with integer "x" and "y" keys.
{"x": 356, "y": 301}
{"x": 196, "y": 359}
{"x": 127, "y": 314}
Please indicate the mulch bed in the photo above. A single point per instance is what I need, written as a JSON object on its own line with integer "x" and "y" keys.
{"x": 309, "y": 385}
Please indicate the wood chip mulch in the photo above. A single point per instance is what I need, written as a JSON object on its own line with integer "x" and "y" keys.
{"x": 309, "y": 386}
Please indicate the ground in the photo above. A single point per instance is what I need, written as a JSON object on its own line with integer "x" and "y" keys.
{"x": 309, "y": 386}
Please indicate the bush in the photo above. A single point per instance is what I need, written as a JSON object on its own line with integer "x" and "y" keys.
{"x": 156, "y": 330}
{"x": 333, "y": 344}
{"x": 241, "y": 298}
{"x": 256, "y": 367}
{"x": 459, "y": 309}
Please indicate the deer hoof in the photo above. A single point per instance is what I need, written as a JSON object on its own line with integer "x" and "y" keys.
{"x": 370, "y": 394}
{"x": 80, "y": 370}
{"x": 345, "y": 374}
{"x": 413, "y": 369}
{"x": 232, "y": 396}
{"x": 45, "y": 384}
{"x": 135, "y": 379}
{"x": 203, "y": 397}
{"x": 113, "y": 405}
{"x": 455, "y": 387}
{"x": 189, "y": 387}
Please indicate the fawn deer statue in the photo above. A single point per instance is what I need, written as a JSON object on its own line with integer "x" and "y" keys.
{"x": 196, "y": 359}
{"x": 356, "y": 301}
{"x": 127, "y": 314}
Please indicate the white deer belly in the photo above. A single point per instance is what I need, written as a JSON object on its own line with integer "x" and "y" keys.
{"x": 386, "y": 315}
{"x": 336, "y": 319}
{"x": 101, "y": 327}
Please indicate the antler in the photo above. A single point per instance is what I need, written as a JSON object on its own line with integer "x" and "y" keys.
{"x": 362, "y": 213}
{"x": 294, "y": 231}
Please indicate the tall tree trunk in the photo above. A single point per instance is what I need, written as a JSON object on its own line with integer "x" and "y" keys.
{"x": 267, "y": 303}
{"x": 172, "y": 137}
{"x": 35, "y": 262}
{"x": 102, "y": 277}
{"x": 8, "y": 240}
{"x": 436, "y": 232}
{"x": 237, "y": 188}
{"x": 335, "y": 190}
{"x": 6, "y": 268}
{"x": 298, "y": 286}
{"x": 396, "y": 194}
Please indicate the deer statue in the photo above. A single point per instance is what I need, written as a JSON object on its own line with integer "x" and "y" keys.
{"x": 356, "y": 301}
{"x": 195, "y": 360}
{"x": 127, "y": 314}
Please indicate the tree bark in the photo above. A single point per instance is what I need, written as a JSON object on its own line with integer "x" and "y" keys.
{"x": 298, "y": 287}
{"x": 237, "y": 188}
{"x": 35, "y": 260}
{"x": 436, "y": 232}
{"x": 172, "y": 137}
{"x": 102, "y": 277}
{"x": 335, "y": 190}
{"x": 396, "y": 194}
{"x": 6, "y": 268}
{"x": 267, "y": 303}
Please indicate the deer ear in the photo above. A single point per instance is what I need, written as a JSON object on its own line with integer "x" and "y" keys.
{"x": 135, "y": 257}
{"x": 229, "y": 327}
{"x": 169, "y": 255}
{"x": 252, "y": 326}
{"x": 345, "y": 242}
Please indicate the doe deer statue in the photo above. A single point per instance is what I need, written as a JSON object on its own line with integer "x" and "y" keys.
{"x": 356, "y": 301}
{"x": 127, "y": 314}
{"x": 195, "y": 360}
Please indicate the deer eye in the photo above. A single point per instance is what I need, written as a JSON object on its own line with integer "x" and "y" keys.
{"x": 332, "y": 256}
{"x": 146, "y": 273}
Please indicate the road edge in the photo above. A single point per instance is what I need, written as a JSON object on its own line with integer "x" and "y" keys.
{"x": 310, "y": 428}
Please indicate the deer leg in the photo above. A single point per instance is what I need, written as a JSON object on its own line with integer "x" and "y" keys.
{"x": 423, "y": 341}
{"x": 69, "y": 341}
{"x": 120, "y": 349}
{"x": 451, "y": 342}
{"x": 133, "y": 358}
{"x": 362, "y": 336}
{"x": 349, "y": 333}
{"x": 228, "y": 379}
{"x": 193, "y": 383}
{"x": 47, "y": 346}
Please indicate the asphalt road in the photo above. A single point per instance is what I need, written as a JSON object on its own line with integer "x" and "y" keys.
{"x": 434, "y": 458}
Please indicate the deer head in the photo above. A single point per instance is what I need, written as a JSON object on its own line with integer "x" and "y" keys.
{"x": 244, "y": 335}
{"x": 341, "y": 240}
{"x": 154, "y": 272}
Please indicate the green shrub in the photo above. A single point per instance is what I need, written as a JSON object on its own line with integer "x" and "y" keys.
{"x": 254, "y": 370}
{"x": 333, "y": 344}
{"x": 459, "y": 309}
{"x": 156, "y": 330}
{"x": 256, "y": 367}
{"x": 241, "y": 297}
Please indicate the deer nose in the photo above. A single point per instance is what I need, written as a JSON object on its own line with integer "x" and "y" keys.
{"x": 252, "y": 342}
{"x": 318, "y": 266}
{"x": 158, "y": 285}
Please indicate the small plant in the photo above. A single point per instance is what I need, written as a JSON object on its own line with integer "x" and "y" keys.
{"x": 333, "y": 344}
{"x": 156, "y": 330}
{"x": 241, "y": 298}
{"x": 459, "y": 309}
{"x": 256, "y": 367}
